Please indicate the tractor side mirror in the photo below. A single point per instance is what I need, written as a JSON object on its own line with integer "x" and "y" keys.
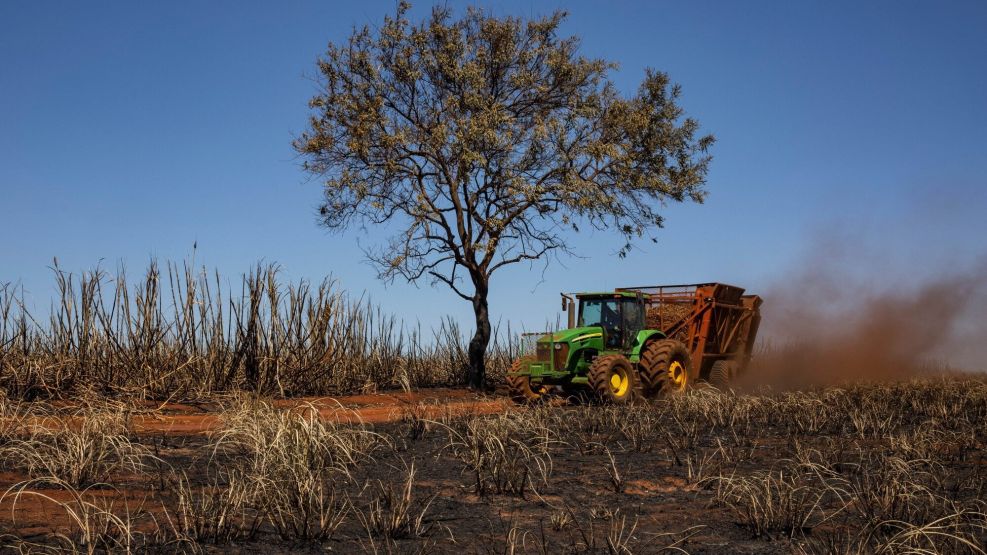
{"x": 565, "y": 303}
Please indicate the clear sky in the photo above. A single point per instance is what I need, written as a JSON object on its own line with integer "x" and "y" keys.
{"x": 131, "y": 130}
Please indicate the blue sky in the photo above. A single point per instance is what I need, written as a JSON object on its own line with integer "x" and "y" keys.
{"x": 131, "y": 130}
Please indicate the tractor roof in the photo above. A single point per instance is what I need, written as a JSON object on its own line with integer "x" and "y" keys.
{"x": 609, "y": 295}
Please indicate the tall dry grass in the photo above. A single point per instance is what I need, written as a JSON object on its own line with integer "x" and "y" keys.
{"x": 178, "y": 331}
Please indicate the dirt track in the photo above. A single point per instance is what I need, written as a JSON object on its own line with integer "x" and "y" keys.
{"x": 376, "y": 408}
{"x": 371, "y": 408}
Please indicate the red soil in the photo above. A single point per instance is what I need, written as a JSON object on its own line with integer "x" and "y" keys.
{"x": 369, "y": 408}
{"x": 41, "y": 508}
{"x": 188, "y": 419}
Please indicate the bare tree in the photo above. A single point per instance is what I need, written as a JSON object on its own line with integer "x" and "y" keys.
{"x": 486, "y": 141}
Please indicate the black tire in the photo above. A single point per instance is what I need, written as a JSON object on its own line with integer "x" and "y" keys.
{"x": 520, "y": 386}
{"x": 665, "y": 367}
{"x": 721, "y": 374}
{"x": 613, "y": 379}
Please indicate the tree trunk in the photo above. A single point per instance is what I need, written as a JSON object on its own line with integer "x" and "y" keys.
{"x": 476, "y": 376}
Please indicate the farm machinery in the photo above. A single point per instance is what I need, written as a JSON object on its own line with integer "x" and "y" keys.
{"x": 642, "y": 342}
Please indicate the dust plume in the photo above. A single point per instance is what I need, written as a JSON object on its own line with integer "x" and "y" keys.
{"x": 843, "y": 316}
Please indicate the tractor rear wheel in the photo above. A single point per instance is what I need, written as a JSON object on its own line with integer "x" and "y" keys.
{"x": 665, "y": 367}
{"x": 613, "y": 379}
{"x": 722, "y": 373}
{"x": 520, "y": 387}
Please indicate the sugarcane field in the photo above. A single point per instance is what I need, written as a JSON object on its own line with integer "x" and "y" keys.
{"x": 493, "y": 278}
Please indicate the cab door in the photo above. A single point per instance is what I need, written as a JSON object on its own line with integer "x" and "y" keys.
{"x": 632, "y": 320}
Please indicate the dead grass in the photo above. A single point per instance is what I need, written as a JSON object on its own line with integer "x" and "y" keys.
{"x": 865, "y": 468}
{"x": 79, "y": 449}
{"x": 94, "y": 527}
{"x": 504, "y": 454}
{"x": 180, "y": 332}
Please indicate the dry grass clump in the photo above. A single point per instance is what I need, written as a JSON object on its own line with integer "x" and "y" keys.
{"x": 283, "y": 469}
{"x": 417, "y": 420}
{"x": 96, "y": 527}
{"x": 220, "y": 512}
{"x": 786, "y": 501}
{"x": 7, "y": 407}
{"x": 504, "y": 454}
{"x": 960, "y": 532}
{"x": 957, "y": 533}
{"x": 394, "y": 512}
{"x": 10, "y": 417}
{"x": 80, "y": 449}
{"x": 272, "y": 440}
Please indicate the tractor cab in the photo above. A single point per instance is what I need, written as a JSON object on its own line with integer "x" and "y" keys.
{"x": 621, "y": 315}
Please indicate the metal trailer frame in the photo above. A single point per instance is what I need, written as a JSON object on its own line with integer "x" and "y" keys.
{"x": 721, "y": 325}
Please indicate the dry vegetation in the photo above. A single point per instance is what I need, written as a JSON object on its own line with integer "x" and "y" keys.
{"x": 877, "y": 468}
{"x": 184, "y": 334}
{"x": 864, "y": 468}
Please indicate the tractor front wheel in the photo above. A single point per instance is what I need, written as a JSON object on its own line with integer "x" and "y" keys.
{"x": 665, "y": 367}
{"x": 520, "y": 386}
{"x": 613, "y": 379}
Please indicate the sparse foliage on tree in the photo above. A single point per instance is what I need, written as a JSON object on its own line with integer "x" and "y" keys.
{"x": 487, "y": 141}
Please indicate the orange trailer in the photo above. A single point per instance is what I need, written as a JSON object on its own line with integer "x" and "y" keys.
{"x": 717, "y": 322}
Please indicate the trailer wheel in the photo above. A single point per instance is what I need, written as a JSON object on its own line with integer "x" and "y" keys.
{"x": 613, "y": 379}
{"x": 722, "y": 373}
{"x": 520, "y": 386}
{"x": 665, "y": 367}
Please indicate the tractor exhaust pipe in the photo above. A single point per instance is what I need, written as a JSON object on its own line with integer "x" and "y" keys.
{"x": 569, "y": 306}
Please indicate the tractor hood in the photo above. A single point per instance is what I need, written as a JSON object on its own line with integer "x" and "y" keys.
{"x": 574, "y": 335}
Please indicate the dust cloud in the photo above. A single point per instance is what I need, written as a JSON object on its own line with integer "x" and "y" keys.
{"x": 843, "y": 317}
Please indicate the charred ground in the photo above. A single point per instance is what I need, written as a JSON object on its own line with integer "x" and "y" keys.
{"x": 861, "y": 468}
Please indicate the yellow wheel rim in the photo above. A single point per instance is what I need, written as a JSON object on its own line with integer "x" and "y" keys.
{"x": 678, "y": 374}
{"x": 619, "y": 382}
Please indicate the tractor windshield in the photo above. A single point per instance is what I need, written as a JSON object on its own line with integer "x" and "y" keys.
{"x": 621, "y": 318}
{"x": 599, "y": 312}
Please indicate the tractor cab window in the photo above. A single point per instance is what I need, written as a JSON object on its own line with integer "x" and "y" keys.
{"x": 599, "y": 312}
{"x": 633, "y": 316}
{"x": 620, "y": 319}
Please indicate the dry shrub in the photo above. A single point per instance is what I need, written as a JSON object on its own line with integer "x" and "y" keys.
{"x": 894, "y": 489}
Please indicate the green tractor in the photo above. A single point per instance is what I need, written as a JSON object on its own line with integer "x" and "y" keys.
{"x": 641, "y": 342}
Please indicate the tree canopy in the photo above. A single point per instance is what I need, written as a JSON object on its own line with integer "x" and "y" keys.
{"x": 488, "y": 141}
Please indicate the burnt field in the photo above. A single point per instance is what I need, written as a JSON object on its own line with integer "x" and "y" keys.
{"x": 868, "y": 468}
